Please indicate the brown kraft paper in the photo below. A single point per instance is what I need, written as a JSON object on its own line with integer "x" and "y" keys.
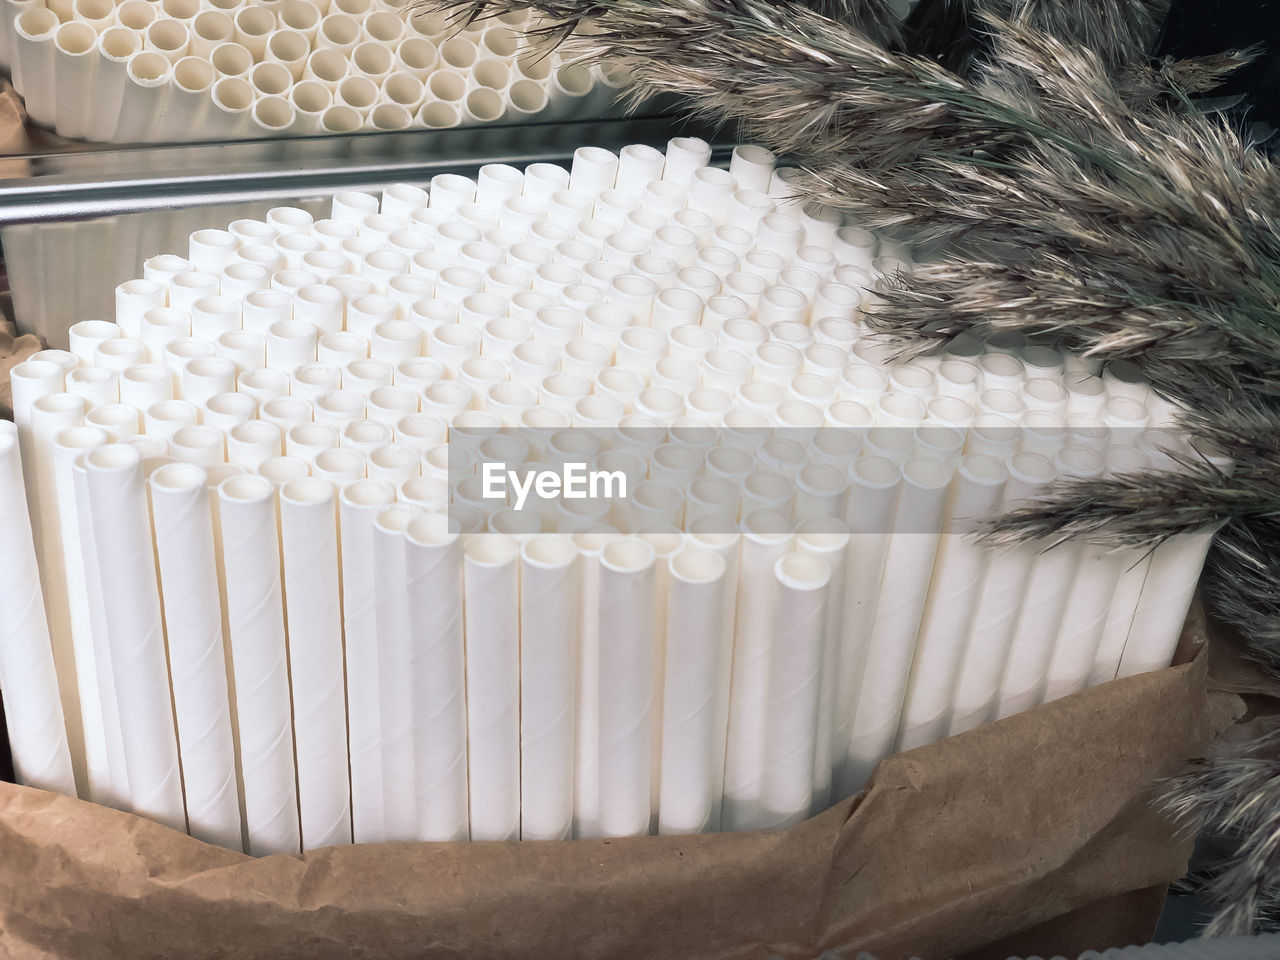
{"x": 1035, "y": 831}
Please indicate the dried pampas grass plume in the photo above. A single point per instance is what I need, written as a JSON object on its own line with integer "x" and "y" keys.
{"x": 1232, "y": 793}
{"x": 1084, "y": 199}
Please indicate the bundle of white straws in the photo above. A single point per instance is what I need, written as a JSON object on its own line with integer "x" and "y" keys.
{"x": 140, "y": 71}
{"x": 276, "y": 612}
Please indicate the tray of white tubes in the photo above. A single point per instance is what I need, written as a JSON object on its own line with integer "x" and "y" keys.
{"x": 182, "y": 70}
{"x": 619, "y": 520}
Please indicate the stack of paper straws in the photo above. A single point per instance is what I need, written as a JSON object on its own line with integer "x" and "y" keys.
{"x": 266, "y": 597}
{"x": 159, "y": 71}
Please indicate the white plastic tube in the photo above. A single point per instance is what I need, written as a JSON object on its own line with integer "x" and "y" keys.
{"x": 255, "y": 615}
{"x": 693, "y": 689}
{"x": 908, "y": 568}
{"x": 626, "y": 671}
{"x": 193, "y": 628}
{"x": 433, "y": 567}
{"x": 135, "y": 631}
{"x": 549, "y": 611}
{"x": 491, "y": 613}
{"x": 37, "y": 734}
{"x": 309, "y": 546}
{"x": 794, "y": 692}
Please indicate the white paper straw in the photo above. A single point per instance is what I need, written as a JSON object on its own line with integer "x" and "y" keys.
{"x": 117, "y": 793}
{"x": 908, "y": 567}
{"x": 309, "y": 547}
{"x": 1166, "y": 596}
{"x": 33, "y": 62}
{"x": 193, "y": 629}
{"x": 626, "y": 658}
{"x": 135, "y": 632}
{"x": 68, "y": 445}
{"x": 394, "y": 656}
{"x": 37, "y": 734}
{"x": 255, "y": 614}
{"x": 794, "y": 688}
{"x": 952, "y": 602}
{"x": 549, "y": 611}
{"x": 491, "y": 613}
{"x": 433, "y": 564}
{"x": 50, "y": 415}
{"x": 694, "y": 688}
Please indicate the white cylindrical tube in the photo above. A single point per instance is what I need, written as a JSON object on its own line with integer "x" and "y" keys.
{"x": 290, "y": 344}
{"x": 434, "y": 581}
{"x": 98, "y": 386}
{"x": 491, "y": 614}
{"x": 135, "y": 631}
{"x": 149, "y": 78}
{"x": 999, "y": 604}
{"x": 193, "y": 629}
{"x": 104, "y": 786}
{"x": 76, "y": 58}
{"x": 593, "y": 171}
{"x": 205, "y": 377}
{"x": 260, "y": 666}
{"x": 253, "y": 443}
{"x": 1044, "y": 606}
{"x": 200, "y": 445}
{"x": 360, "y": 503}
{"x": 33, "y": 61}
{"x": 231, "y": 113}
{"x": 752, "y": 167}
{"x": 684, "y": 156}
{"x": 116, "y": 47}
{"x": 37, "y": 733}
{"x": 953, "y": 598}
{"x": 309, "y": 549}
{"x": 133, "y": 299}
{"x": 1162, "y": 608}
{"x": 626, "y": 677}
{"x": 586, "y": 804}
{"x": 638, "y": 166}
{"x": 795, "y": 682}
{"x": 908, "y": 566}
{"x": 549, "y": 610}
{"x": 694, "y": 687}
{"x": 1084, "y": 620}
{"x": 84, "y": 337}
{"x": 766, "y": 539}
{"x": 145, "y": 384}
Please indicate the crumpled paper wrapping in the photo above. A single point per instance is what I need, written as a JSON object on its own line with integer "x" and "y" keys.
{"x": 1034, "y": 833}
{"x": 13, "y": 350}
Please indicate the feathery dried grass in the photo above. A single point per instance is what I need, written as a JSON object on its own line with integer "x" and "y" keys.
{"x": 1236, "y": 791}
{"x": 1088, "y": 199}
